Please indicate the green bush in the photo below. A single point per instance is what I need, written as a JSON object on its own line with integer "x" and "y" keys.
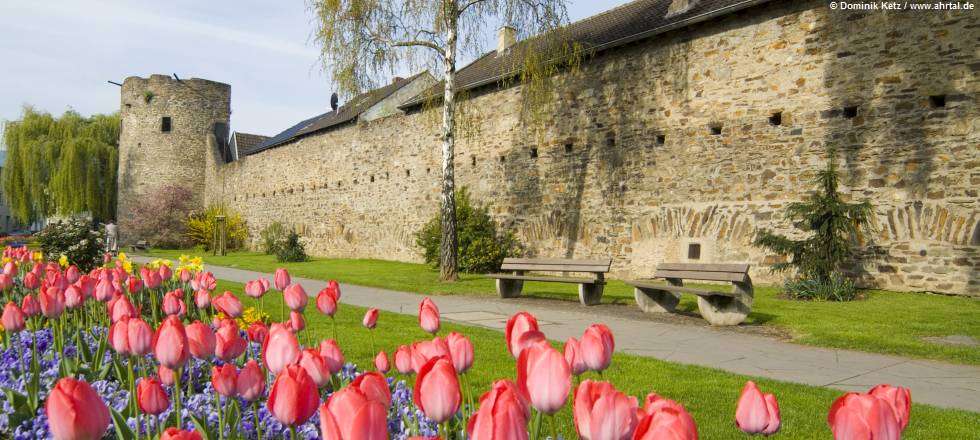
{"x": 836, "y": 288}
{"x": 291, "y": 250}
{"x": 73, "y": 239}
{"x": 273, "y": 238}
{"x": 481, "y": 247}
{"x": 201, "y": 226}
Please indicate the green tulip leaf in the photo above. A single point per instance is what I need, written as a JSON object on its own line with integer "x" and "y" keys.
{"x": 202, "y": 428}
{"x": 122, "y": 429}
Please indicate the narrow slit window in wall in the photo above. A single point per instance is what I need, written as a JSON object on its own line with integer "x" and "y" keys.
{"x": 166, "y": 124}
{"x": 850, "y": 112}
{"x": 568, "y": 147}
{"x": 715, "y": 130}
{"x": 534, "y": 153}
{"x": 694, "y": 251}
{"x": 776, "y": 119}
{"x": 661, "y": 139}
{"x": 937, "y": 101}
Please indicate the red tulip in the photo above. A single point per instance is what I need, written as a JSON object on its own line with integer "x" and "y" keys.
{"x": 664, "y": 419}
{"x": 52, "y": 302}
{"x": 461, "y": 351}
{"x": 119, "y": 336}
{"x": 166, "y": 375}
{"x": 757, "y": 413}
{"x": 856, "y": 416}
{"x": 201, "y": 339}
{"x": 281, "y": 278}
{"x": 280, "y": 349}
{"x": 296, "y": 321}
{"x": 899, "y": 398}
{"x": 334, "y": 286}
{"x": 597, "y": 347}
{"x": 437, "y": 391}
{"x": 13, "y": 318}
{"x": 72, "y": 274}
{"x": 381, "y": 362}
{"x": 228, "y": 342}
{"x": 104, "y": 289}
{"x": 228, "y": 304}
{"x": 294, "y": 396}
{"x": 206, "y": 281}
{"x": 255, "y": 289}
{"x": 170, "y": 344}
{"x": 251, "y": 381}
{"x": 315, "y": 366}
{"x": 374, "y": 386}
{"x": 29, "y": 306}
{"x": 74, "y": 296}
{"x": 6, "y": 281}
{"x": 603, "y": 413}
{"x": 31, "y": 281}
{"x": 370, "y": 318}
{"x": 530, "y": 339}
{"x": 151, "y": 397}
{"x": 573, "y": 355}
{"x": 121, "y": 308}
{"x": 185, "y": 275}
{"x": 224, "y": 379}
{"x": 403, "y": 360}
{"x": 295, "y": 297}
{"x": 332, "y": 355}
{"x": 349, "y": 414}
{"x": 429, "y": 316}
{"x": 503, "y": 414}
{"x": 173, "y": 303}
{"x": 326, "y": 302}
{"x": 10, "y": 268}
{"x": 152, "y": 280}
{"x": 139, "y": 336}
{"x": 517, "y": 325}
{"x": 423, "y": 351}
{"x": 544, "y": 376}
{"x": 75, "y": 411}
{"x": 178, "y": 434}
{"x": 202, "y": 299}
{"x": 165, "y": 272}
{"x": 257, "y": 332}
{"x": 134, "y": 285}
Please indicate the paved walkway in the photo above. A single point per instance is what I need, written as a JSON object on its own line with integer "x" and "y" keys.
{"x": 935, "y": 383}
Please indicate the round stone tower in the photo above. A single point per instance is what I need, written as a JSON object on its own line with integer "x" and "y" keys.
{"x": 170, "y": 129}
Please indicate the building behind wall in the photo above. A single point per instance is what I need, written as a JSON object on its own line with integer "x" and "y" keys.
{"x": 677, "y": 146}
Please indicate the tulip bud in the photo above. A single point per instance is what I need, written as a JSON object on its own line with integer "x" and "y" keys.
{"x": 224, "y": 380}
{"x": 403, "y": 360}
{"x": 280, "y": 349}
{"x": 544, "y": 376}
{"x": 517, "y": 325}
{"x": 429, "y": 316}
{"x": 251, "y": 381}
{"x": 294, "y": 397}
{"x": 437, "y": 391}
{"x": 370, "y": 318}
{"x": 229, "y": 343}
{"x": 326, "y": 302}
{"x": 201, "y": 340}
{"x": 75, "y": 411}
{"x": 151, "y": 397}
{"x": 139, "y": 336}
{"x": 295, "y": 297}
{"x": 597, "y": 347}
{"x": 332, "y": 355}
{"x": 381, "y": 362}
{"x": 281, "y": 278}
{"x": 315, "y": 366}
{"x": 13, "y": 318}
{"x": 170, "y": 343}
{"x": 461, "y": 351}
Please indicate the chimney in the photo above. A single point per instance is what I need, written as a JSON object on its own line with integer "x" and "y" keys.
{"x": 506, "y": 37}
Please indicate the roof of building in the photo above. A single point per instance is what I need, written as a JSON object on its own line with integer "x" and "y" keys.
{"x": 344, "y": 114}
{"x": 247, "y": 142}
{"x": 616, "y": 27}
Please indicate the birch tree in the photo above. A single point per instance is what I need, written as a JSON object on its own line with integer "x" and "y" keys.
{"x": 363, "y": 42}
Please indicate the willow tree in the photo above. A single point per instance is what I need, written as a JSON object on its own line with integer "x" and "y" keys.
{"x": 60, "y": 166}
{"x": 363, "y": 42}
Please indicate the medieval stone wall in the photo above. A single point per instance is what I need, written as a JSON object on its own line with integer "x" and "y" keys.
{"x": 699, "y": 136}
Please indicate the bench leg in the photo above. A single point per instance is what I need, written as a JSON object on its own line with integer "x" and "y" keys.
{"x": 724, "y": 310}
{"x": 509, "y": 288}
{"x": 655, "y": 301}
{"x": 590, "y": 294}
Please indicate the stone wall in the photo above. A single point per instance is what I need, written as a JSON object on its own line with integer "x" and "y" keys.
{"x": 673, "y": 141}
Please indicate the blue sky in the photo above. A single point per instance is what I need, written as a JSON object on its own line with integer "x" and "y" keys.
{"x": 58, "y": 54}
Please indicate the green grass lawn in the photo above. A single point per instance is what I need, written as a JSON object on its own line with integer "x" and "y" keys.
{"x": 883, "y": 322}
{"x": 710, "y": 395}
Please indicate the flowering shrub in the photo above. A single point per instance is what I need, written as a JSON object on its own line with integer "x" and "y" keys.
{"x": 159, "y": 217}
{"x": 139, "y": 352}
{"x": 73, "y": 239}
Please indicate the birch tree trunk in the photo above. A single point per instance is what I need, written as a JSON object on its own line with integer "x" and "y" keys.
{"x": 448, "y": 252}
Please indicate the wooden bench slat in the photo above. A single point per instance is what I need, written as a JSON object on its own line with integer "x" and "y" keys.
{"x": 678, "y": 289}
{"x": 555, "y": 268}
{"x": 600, "y": 262}
{"x": 704, "y": 267}
{"x": 508, "y": 276}
{"x": 704, "y": 276}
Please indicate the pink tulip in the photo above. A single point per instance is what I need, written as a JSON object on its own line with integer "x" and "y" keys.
{"x": 517, "y": 325}
{"x": 185, "y": 275}
{"x": 104, "y": 290}
{"x": 280, "y": 349}
{"x": 121, "y": 307}
{"x": 201, "y": 340}
{"x": 29, "y": 306}
{"x": 165, "y": 273}
{"x": 173, "y": 303}
{"x": 72, "y": 274}
{"x": 429, "y": 316}
{"x": 166, "y": 375}
{"x": 381, "y": 362}
{"x": 503, "y": 414}
{"x": 461, "y": 351}
{"x": 228, "y": 342}
{"x": 296, "y": 321}
{"x": 52, "y": 302}
{"x": 139, "y": 336}
{"x": 603, "y": 413}
{"x": 334, "y": 286}
{"x": 403, "y": 360}
{"x": 295, "y": 297}
{"x": 332, "y": 355}
{"x": 899, "y": 398}
{"x": 13, "y": 318}
{"x": 281, "y": 278}
{"x": 374, "y": 386}
{"x": 544, "y": 376}
{"x": 134, "y": 285}
{"x": 257, "y": 332}
{"x": 315, "y": 366}
{"x": 255, "y": 289}
{"x": 75, "y": 411}
{"x": 206, "y": 281}
{"x": 665, "y": 419}
{"x": 228, "y": 304}
{"x": 251, "y": 381}
{"x": 31, "y": 281}
{"x": 10, "y": 268}
{"x": 757, "y": 413}
{"x": 152, "y": 280}
{"x": 437, "y": 391}
{"x": 119, "y": 336}
{"x": 74, "y": 297}
{"x": 87, "y": 285}
{"x": 6, "y": 281}
{"x": 326, "y": 302}
{"x": 573, "y": 355}
{"x": 597, "y": 347}
{"x": 172, "y": 433}
{"x": 856, "y": 416}
{"x": 202, "y": 299}
{"x": 294, "y": 396}
{"x": 151, "y": 397}
{"x": 370, "y": 318}
{"x": 349, "y": 414}
{"x": 530, "y": 339}
{"x": 170, "y": 344}
{"x": 423, "y": 351}
{"x": 224, "y": 379}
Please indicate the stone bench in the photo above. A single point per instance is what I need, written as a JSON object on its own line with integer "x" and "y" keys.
{"x": 718, "y": 308}
{"x": 509, "y": 285}
{"x": 141, "y": 245}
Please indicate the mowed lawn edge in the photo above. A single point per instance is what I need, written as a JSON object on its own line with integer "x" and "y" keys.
{"x": 709, "y": 395}
{"x": 886, "y": 322}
